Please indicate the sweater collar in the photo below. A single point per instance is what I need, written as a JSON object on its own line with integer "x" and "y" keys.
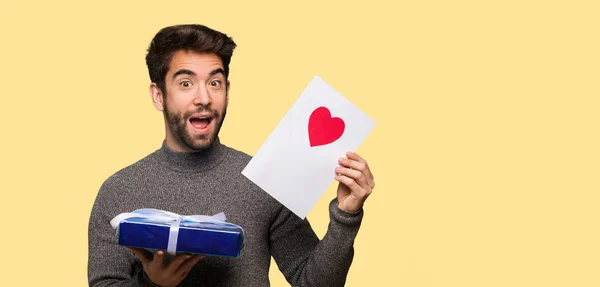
{"x": 191, "y": 162}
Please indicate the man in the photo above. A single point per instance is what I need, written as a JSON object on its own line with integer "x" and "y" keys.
{"x": 194, "y": 173}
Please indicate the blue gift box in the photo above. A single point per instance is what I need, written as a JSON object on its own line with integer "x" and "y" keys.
{"x": 209, "y": 238}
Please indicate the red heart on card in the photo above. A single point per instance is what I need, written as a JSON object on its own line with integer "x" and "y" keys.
{"x": 322, "y": 128}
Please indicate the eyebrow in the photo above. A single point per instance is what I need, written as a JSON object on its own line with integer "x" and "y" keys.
{"x": 217, "y": 71}
{"x": 183, "y": 72}
{"x": 191, "y": 73}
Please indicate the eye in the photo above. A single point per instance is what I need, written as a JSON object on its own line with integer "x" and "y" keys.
{"x": 186, "y": 84}
{"x": 215, "y": 83}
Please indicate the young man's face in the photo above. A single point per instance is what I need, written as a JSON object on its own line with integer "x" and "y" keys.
{"x": 196, "y": 100}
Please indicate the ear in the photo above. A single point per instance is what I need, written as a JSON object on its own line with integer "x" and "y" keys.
{"x": 227, "y": 94}
{"x": 157, "y": 97}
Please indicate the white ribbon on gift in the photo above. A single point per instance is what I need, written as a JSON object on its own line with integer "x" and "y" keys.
{"x": 174, "y": 219}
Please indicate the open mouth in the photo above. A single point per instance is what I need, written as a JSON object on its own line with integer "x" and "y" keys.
{"x": 201, "y": 122}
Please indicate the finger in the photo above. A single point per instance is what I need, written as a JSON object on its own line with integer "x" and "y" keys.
{"x": 350, "y": 183}
{"x": 355, "y": 156}
{"x": 177, "y": 261}
{"x": 356, "y": 190}
{"x": 356, "y": 175}
{"x": 361, "y": 166}
{"x": 185, "y": 268}
{"x": 159, "y": 257}
{"x": 144, "y": 255}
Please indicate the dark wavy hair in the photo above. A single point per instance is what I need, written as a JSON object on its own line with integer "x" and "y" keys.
{"x": 192, "y": 37}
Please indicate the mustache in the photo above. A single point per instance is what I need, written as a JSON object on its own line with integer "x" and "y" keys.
{"x": 215, "y": 113}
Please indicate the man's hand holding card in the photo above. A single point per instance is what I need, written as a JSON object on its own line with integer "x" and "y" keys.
{"x": 356, "y": 182}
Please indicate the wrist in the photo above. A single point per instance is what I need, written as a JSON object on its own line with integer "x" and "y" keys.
{"x": 347, "y": 209}
{"x": 339, "y": 218}
{"x": 150, "y": 282}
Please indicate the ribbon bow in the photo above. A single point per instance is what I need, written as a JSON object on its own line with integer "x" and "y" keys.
{"x": 174, "y": 219}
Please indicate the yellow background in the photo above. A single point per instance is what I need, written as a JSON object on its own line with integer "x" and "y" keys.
{"x": 485, "y": 151}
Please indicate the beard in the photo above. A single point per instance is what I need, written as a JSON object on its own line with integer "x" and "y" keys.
{"x": 178, "y": 125}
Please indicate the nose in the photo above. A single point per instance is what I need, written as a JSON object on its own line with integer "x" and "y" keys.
{"x": 202, "y": 97}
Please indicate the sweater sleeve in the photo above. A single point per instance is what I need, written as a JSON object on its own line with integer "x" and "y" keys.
{"x": 108, "y": 263}
{"x": 306, "y": 261}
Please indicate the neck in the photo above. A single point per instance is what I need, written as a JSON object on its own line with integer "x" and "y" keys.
{"x": 189, "y": 162}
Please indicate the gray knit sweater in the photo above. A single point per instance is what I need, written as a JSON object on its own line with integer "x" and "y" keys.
{"x": 207, "y": 183}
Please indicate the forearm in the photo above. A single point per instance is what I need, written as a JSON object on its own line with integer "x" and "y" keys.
{"x": 108, "y": 263}
{"x": 325, "y": 263}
